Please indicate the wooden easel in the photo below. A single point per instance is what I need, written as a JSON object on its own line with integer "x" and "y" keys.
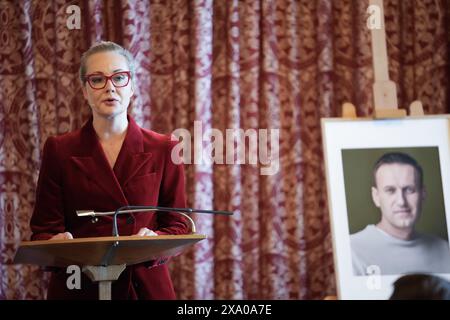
{"x": 384, "y": 89}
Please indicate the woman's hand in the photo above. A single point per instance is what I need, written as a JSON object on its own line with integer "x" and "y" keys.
{"x": 143, "y": 232}
{"x": 62, "y": 236}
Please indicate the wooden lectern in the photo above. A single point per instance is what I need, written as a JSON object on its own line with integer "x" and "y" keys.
{"x": 103, "y": 258}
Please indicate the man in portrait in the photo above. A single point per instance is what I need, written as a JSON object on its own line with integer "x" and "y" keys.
{"x": 393, "y": 245}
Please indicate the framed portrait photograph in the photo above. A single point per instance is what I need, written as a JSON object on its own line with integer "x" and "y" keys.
{"x": 388, "y": 184}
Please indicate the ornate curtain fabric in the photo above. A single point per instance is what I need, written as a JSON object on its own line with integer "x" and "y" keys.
{"x": 255, "y": 64}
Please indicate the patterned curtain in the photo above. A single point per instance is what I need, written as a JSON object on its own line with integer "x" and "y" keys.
{"x": 254, "y": 64}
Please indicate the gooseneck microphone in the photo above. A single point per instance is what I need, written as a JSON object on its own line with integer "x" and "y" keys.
{"x": 129, "y": 209}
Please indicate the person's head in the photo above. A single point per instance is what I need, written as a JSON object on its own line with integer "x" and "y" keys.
{"x": 421, "y": 287}
{"x": 107, "y": 97}
{"x": 398, "y": 190}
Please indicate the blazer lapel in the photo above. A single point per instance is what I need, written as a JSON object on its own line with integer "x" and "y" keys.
{"x": 132, "y": 159}
{"x": 94, "y": 164}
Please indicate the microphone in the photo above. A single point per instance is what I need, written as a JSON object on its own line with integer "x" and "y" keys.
{"x": 129, "y": 209}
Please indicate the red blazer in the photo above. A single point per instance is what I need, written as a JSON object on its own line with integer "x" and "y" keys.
{"x": 75, "y": 175}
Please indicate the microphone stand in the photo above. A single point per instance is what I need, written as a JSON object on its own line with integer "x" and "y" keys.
{"x": 129, "y": 209}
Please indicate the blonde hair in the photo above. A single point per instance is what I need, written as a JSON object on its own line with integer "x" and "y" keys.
{"x": 105, "y": 46}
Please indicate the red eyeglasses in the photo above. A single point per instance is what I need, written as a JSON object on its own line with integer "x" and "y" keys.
{"x": 98, "y": 81}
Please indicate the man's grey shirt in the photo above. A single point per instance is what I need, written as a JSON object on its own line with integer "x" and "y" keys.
{"x": 423, "y": 253}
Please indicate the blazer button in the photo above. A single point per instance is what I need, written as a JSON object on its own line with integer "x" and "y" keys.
{"x": 130, "y": 220}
